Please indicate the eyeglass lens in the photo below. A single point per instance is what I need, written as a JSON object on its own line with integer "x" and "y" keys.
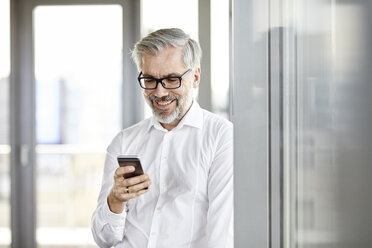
{"x": 168, "y": 83}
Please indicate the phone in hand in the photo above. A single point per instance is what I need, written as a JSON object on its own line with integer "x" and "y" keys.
{"x": 131, "y": 160}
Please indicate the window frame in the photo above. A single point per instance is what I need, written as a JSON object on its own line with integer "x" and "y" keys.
{"x": 22, "y": 105}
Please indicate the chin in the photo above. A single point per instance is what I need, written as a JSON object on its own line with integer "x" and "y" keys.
{"x": 167, "y": 118}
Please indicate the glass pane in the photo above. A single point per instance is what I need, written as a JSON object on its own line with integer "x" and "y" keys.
{"x": 5, "y": 233}
{"x": 220, "y": 57}
{"x": 328, "y": 119}
{"x": 78, "y": 73}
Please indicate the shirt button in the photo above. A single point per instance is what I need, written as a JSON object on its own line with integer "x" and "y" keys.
{"x": 158, "y": 209}
{"x": 153, "y": 233}
{"x": 165, "y": 157}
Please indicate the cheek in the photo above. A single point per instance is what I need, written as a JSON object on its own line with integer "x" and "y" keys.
{"x": 185, "y": 88}
{"x": 180, "y": 93}
{"x": 146, "y": 93}
{"x": 146, "y": 96}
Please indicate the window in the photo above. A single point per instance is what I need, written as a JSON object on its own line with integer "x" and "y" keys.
{"x": 78, "y": 70}
{"x": 5, "y": 234}
{"x": 220, "y": 57}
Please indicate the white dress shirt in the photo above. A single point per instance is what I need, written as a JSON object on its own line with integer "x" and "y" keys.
{"x": 190, "y": 202}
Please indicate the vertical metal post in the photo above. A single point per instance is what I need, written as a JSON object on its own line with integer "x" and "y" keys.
{"x": 276, "y": 138}
{"x": 276, "y": 123}
{"x": 22, "y": 134}
{"x": 251, "y": 123}
{"x": 132, "y": 99}
{"x": 205, "y": 89}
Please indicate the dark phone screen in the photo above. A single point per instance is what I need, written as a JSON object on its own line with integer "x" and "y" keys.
{"x": 131, "y": 162}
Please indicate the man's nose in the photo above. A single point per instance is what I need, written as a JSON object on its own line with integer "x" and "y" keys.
{"x": 160, "y": 91}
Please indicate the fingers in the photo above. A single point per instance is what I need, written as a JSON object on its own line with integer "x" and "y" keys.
{"x": 122, "y": 195}
{"x": 126, "y": 189}
{"x": 139, "y": 187}
{"x": 132, "y": 195}
{"x": 135, "y": 180}
{"x": 119, "y": 172}
{"x": 122, "y": 188}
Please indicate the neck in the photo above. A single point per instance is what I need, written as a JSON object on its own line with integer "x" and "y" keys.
{"x": 174, "y": 124}
{"x": 170, "y": 126}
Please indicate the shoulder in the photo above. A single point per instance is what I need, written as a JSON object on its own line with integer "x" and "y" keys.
{"x": 217, "y": 129}
{"x": 131, "y": 133}
{"x": 215, "y": 122}
{"x": 218, "y": 133}
{"x": 137, "y": 128}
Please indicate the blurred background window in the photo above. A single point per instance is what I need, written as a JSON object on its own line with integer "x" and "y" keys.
{"x": 78, "y": 70}
{"x": 5, "y": 233}
{"x": 220, "y": 18}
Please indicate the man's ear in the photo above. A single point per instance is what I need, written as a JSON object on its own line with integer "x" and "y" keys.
{"x": 196, "y": 81}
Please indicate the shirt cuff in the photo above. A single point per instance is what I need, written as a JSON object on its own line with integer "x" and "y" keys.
{"x": 112, "y": 218}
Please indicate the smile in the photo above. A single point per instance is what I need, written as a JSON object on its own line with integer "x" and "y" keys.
{"x": 164, "y": 103}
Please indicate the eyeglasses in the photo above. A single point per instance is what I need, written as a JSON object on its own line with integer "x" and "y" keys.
{"x": 150, "y": 83}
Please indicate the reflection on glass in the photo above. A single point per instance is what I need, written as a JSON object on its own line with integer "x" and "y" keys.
{"x": 5, "y": 233}
{"x": 327, "y": 125}
{"x": 78, "y": 87}
{"x": 220, "y": 57}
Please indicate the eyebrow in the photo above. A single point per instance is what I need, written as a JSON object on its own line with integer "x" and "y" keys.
{"x": 173, "y": 74}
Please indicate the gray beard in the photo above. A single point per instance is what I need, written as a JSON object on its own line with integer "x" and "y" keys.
{"x": 181, "y": 108}
{"x": 174, "y": 116}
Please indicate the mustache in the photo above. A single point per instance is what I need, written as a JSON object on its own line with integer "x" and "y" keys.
{"x": 163, "y": 98}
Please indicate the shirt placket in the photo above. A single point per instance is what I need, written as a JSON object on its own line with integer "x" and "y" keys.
{"x": 163, "y": 165}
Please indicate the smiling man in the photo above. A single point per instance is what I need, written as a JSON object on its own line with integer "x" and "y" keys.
{"x": 185, "y": 199}
{"x": 171, "y": 103}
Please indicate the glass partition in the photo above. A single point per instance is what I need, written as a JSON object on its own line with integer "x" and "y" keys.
{"x": 78, "y": 70}
{"x": 327, "y": 120}
{"x": 220, "y": 70}
{"x": 5, "y": 233}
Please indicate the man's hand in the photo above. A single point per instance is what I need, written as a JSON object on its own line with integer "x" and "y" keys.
{"x": 125, "y": 189}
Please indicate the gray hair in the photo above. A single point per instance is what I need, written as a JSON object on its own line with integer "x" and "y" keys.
{"x": 163, "y": 38}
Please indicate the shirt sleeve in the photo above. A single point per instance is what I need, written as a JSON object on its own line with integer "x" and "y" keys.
{"x": 108, "y": 227}
{"x": 220, "y": 192}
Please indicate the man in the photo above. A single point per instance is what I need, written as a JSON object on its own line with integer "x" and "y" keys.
{"x": 185, "y": 151}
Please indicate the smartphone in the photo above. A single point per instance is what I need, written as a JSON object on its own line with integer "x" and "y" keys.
{"x": 130, "y": 160}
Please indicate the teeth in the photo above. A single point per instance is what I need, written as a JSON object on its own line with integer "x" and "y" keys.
{"x": 164, "y": 103}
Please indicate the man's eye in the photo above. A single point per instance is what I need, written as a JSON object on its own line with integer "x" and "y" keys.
{"x": 149, "y": 80}
{"x": 171, "y": 80}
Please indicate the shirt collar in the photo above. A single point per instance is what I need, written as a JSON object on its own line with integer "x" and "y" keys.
{"x": 193, "y": 118}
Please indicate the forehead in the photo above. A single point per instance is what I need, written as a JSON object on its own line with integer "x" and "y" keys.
{"x": 168, "y": 60}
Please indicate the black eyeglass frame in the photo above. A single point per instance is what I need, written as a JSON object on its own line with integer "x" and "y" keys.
{"x": 160, "y": 80}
